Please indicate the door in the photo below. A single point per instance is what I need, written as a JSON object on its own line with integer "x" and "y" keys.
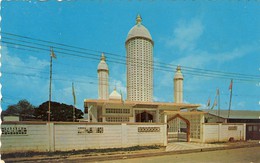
{"x": 253, "y": 132}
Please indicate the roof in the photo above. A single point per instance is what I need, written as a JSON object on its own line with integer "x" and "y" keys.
{"x": 139, "y": 30}
{"x": 115, "y": 95}
{"x": 178, "y": 74}
{"x": 165, "y": 105}
{"x": 102, "y": 64}
{"x": 235, "y": 114}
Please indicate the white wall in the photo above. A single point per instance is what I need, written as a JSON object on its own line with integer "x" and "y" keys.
{"x": 36, "y": 138}
{"x": 78, "y": 136}
{"x": 218, "y": 132}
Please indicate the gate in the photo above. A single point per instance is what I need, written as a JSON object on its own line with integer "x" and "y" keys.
{"x": 253, "y": 132}
{"x": 178, "y": 129}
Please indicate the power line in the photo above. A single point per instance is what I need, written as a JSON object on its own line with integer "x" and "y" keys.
{"x": 96, "y": 83}
{"x": 160, "y": 63}
{"x": 162, "y": 68}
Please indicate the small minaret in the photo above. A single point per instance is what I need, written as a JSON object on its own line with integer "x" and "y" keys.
{"x": 103, "y": 73}
{"x": 178, "y": 86}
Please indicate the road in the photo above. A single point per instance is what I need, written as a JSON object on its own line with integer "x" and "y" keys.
{"x": 241, "y": 155}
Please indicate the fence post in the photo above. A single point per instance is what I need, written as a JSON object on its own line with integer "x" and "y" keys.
{"x": 124, "y": 135}
{"x": 51, "y": 136}
{"x": 244, "y": 132}
{"x": 219, "y": 131}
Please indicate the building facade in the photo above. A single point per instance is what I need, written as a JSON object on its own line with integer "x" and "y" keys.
{"x": 139, "y": 58}
{"x": 139, "y": 107}
{"x": 178, "y": 86}
{"x": 103, "y": 84}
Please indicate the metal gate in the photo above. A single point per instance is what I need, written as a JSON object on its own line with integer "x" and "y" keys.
{"x": 253, "y": 132}
{"x": 178, "y": 129}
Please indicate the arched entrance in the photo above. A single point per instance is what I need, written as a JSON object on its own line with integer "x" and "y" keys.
{"x": 144, "y": 117}
{"x": 178, "y": 129}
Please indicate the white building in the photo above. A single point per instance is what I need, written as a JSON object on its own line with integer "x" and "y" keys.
{"x": 139, "y": 105}
{"x": 139, "y": 56}
{"x": 103, "y": 84}
{"x": 178, "y": 86}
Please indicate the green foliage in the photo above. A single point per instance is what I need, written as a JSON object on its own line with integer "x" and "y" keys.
{"x": 23, "y": 108}
{"x": 59, "y": 112}
{"x": 26, "y": 111}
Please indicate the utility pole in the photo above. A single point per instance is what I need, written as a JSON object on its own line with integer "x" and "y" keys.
{"x": 52, "y": 55}
{"x": 74, "y": 102}
{"x": 230, "y": 99}
{"x": 218, "y": 105}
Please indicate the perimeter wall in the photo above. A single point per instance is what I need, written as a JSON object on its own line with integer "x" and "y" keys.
{"x": 58, "y": 136}
{"x": 222, "y": 132}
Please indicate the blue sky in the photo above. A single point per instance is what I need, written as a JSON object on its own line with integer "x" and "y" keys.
{"x": 217, "y": 36}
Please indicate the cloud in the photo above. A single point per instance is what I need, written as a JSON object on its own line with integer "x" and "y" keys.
{"x": 186, "y": 34}
{"x": 25, "y": 76}
{"x": 30, "y": 64}
{"x": 200, "y": 59}
{"x": 185, "y": 38}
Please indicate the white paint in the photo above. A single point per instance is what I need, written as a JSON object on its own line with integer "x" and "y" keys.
{"x": 219, "y": 132}
{"x": 65, "y": 137}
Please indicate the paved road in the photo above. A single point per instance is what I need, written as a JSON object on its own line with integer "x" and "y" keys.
{"x": 241, "y": 155}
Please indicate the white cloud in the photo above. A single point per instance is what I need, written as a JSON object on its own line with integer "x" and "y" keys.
{"x": 186, "y": 34}
{"x": 31, "y": 64}
{"x": 185, "y": 38}
{"x": 200, "y": 59}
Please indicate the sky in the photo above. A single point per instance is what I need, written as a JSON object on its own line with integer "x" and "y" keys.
{"x": 213, "y": 42}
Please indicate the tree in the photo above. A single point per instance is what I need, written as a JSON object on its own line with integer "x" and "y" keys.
{"x": 23, "y": 109}
{"x": 59, "y": 112}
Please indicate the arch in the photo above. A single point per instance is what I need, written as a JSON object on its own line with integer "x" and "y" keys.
{"x": 186, "y": 121}
{"x": 143, "y": 117}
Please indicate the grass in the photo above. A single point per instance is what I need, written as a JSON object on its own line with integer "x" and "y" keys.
{"x": 76, "y": 152}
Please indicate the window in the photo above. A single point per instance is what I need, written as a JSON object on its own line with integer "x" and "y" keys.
{"x": 14, "y": 130}
{"x": 117, "y": 119}
{"x": 117, "y": 110}
{"x": 255, "y": 128}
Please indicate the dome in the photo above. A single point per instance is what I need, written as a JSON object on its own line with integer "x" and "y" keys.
{"x": 102, "y": 64}
{"x": 115, "y": 95}
{"x": 139, "y": 30}
{"x": 178, "y": 74}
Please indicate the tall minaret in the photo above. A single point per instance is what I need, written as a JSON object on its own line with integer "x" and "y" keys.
{"x": 139, "y": 56}
{"x": 103, "y": 85}
{"x": 178, "y": 86}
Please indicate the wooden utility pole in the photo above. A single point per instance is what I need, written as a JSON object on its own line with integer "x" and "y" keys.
{"x": 230, "y": 99}
{"x": 52, "y": 55}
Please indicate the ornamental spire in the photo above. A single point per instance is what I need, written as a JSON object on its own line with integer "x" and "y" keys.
{"x": 103, "y": 58}
{"x": 178, "y": 68}
{"x": 138, "y": 19}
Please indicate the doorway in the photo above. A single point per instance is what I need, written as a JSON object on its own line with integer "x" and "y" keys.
{"x": 178, "y": 129}
{"x": 144, "y": 117}
{"x": 253, "y": 132}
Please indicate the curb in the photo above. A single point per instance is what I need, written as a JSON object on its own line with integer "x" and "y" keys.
{"x": 123, "y": 156}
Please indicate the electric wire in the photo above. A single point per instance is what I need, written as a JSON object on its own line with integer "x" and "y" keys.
{"x": 98, "y": 51}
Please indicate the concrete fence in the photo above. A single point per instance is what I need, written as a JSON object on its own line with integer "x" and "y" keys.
{"x": 219, "y": 132}
{"x": 58, "y": 136}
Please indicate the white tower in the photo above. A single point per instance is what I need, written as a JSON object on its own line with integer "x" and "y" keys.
{"x": 103, "y": 85}
{"x": 139, "y": 49}
{"x": 178, "y": 86}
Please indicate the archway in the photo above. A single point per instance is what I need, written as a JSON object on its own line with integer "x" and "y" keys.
{"x": 144, "y": 117}
{"x": 181, "y": 131}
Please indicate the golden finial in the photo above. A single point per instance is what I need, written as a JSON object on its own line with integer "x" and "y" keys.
{"x": 103, "y": 58}
{"x": 178, "y": 68}
{"x": 138, "y": 19}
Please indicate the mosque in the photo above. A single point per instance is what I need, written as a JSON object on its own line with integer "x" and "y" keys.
{"x": 139, "y": 106}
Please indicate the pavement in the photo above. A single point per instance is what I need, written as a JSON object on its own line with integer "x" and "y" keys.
{"x": 182, "y": 146}
{"x": 171, "y": 149}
